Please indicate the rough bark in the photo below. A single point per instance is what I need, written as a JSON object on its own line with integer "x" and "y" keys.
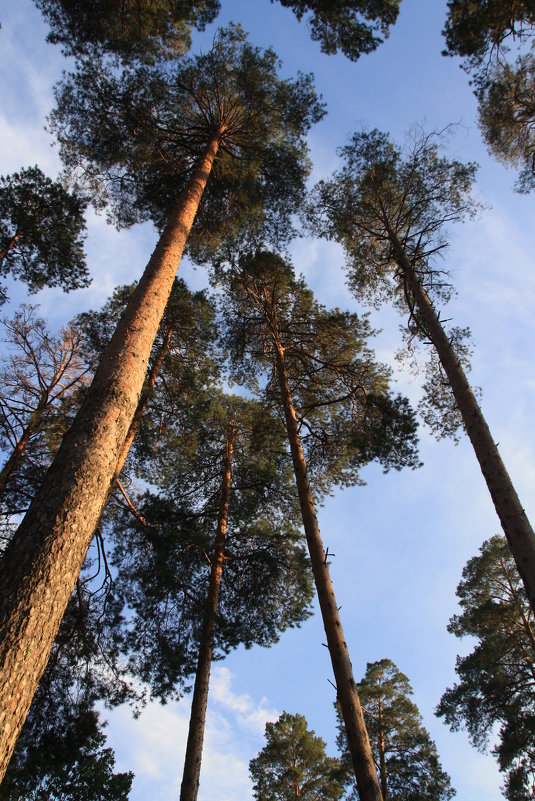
{"x": 357, "y": 735}
{"x": 515, "y": 524}
{"x": 42, "y": 562}
{"x": 193, "y": 758}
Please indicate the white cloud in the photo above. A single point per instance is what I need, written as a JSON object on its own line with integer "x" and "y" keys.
{"x": 153, "y": 746}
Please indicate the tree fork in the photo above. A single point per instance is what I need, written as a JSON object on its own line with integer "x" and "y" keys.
{"x": 514, "y": 521}
{"x": 192, "y": 762}
{"x": 43, "y": 560}
{"x": 357, "y": 735}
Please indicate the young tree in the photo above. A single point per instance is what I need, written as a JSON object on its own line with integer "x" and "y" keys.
{"x": 494, "y": 693}
{"x": 226, "y": 108}
{"x": 41, "y": 380}
{"x": 293, "y": 764}
{"x": 405, "y": 756}
{"x": 390, "y": 212}
{"x": 41, "y": 232}
{"x": 338, "y": 415}
{"x": 215, "y": 559}
{"x": 484, "y": 32}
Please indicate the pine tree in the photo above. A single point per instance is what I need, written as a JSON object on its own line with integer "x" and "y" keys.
{"x": 226, "y": 108}
{"x": 339, "y": 415}
{"x": 390, "y": 211}
{"x": 214, "y": 560}
{"x": 405, "y": 756}
{"x": 495, "y": 39}
{"x": 293, "y": 764}
{"x": 494, "y": 693}
{"x": 41, "y": 232}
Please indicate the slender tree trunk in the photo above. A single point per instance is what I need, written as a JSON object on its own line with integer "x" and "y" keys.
{"x": 15, "y": 456}
{"x": 193, "y": 758}
{"x": 382, "y": 761}
{"x": 357, "y": 736}
{"x": 10, "y": 246}
{"x": 143, "y": 402}
{"x": 42, "y": 562}
{"x": 515, "y": 524}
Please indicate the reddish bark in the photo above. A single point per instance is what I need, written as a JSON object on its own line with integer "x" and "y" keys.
{"x": 515, "y": 524}
{"x": 357, "y": 735}
{"x": 42, "y": 562}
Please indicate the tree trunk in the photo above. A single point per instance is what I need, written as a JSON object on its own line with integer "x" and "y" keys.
{"x": 382, "y": 761}
{"x": 42, "y": 562}
{"x": 143, "y": 402}
{"x": 16, "y": 454}
{"x": 357, "y": 736}
{"x": 515, "y": 524}
{"x": 10, "y": 246}
{"x": 193, "y": 758}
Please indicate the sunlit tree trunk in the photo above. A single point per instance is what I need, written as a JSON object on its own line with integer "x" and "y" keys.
{"x": 42, "y": 562}
{"x": 382, "y": 761}
{"x": 357, "y": 736}
{"x": 515, "y": 524}
{"x": 15, "y": 457}
{"x": 193, "y": 758}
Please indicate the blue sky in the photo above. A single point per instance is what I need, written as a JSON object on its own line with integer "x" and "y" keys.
{"x": 401, "y": 541}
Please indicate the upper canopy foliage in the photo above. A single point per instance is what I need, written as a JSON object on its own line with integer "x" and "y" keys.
{"x": 134, "y": 139}
{"x": 341, "y": 397}
{"x": 42, "y": 230}
{"x": 129, "y": 28}
{"x": 478, "y": 29}
{"x": 137, "y": 29}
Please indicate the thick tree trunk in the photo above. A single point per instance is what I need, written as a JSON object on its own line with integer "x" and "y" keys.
{"x": 516, "y": 526}
{"x": 143, "y": 402}
{"x": 193, "y": 758}
{"x": 42, "y": 562}
{"x": 357, "y": 736}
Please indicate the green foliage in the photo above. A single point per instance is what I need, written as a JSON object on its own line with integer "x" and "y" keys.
{"x": 162, "y": 556}
{"x": 129, "y": 28}
{"x": 346, "y": 413}
{"x": 293, "y": 764}
{"x": 66, "y": 763}
{"x": 479, "y": 29}
{"x": 495, "y": 37}
{"x": 507, "y": 116}
{"x": 404, "y": 754}
{"x": 494, "y": 694}
{"x": 136, "y": 138}
{"x": 347, "y": 25}
{"x": 383, "y": 192}
{"x": 41, "y": 232}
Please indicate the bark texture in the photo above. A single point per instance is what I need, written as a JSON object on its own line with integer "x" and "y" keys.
{"x": 357, "y": 735}
{"x": 193, "y": 759}
{"x": 42, "y": 562}
{"x": 515, "y": 524}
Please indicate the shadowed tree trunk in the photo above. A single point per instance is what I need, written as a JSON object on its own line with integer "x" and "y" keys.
{"x": 42, "y": 562}
{"x": 193, "y": 759}
{"x": 516, "y": 526}
{"x": 357, "y": 736}
{"x": 143, "y": 402}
